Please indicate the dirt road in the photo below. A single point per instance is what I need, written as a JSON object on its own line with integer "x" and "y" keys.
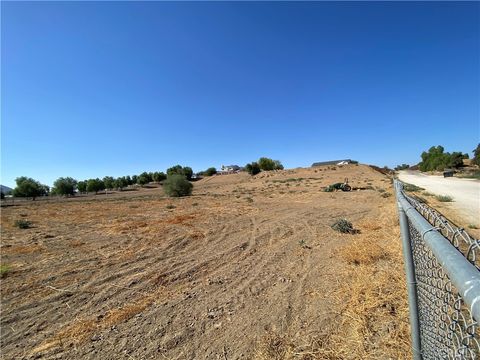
{"x": 465, "y": 192}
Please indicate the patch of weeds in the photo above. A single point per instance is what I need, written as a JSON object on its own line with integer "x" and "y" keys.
{"x": 426, "y": 193}
{"x": 381, "y": 190}
{"x": 386, "y": 195}
{"x": 411, "y": 187}
{"x": 282, "y": 192}
{"x": 249, "y": 199}
{"x": 344, "y": 226}
{"x": 472, "y": 226}
{"x": 195, "y": 204}
{"x": 4, "y": 270}
{"x": 23, "y": 224}
{"x": 170, "y": 206}
{"x": 444, "y": 198}
{"x": 238, "y": 196}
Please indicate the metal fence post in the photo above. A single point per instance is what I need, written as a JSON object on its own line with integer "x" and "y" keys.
{"x": 411, "y": 284}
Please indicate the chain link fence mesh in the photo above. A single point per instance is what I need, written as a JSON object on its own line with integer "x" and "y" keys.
{"x": 447, "y": 329}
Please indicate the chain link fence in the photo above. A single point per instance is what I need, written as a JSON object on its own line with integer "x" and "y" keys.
{"x": 444, "y": 282}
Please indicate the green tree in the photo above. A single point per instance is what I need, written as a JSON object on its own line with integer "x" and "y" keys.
{"x": 476, "y": 156}
{"x": 252, "y": 168}
{"x": 210, "y": 171}
{"x": 129, "y": 180}
{"x": 159, "y": 176}
{"x": 177, "y": 185}
{"x": 109, "y": 182}
{"x": 144, "y": 178}
{"x": 437, "y": 159}
{"x": 134, "y": 179}
{"x": 179, "y": 170}
{"x": 120, "y": 183}
{"x": 82, "y": 186}
{"x": 95, "y": 185}
{"x": 65, "y": 186}
{"x": 28, "y": 187}
{"x": 402, "y": 167}
{"x": 269, "y": 164}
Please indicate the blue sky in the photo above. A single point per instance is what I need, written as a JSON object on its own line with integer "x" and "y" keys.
{"x": 90, "y": 89}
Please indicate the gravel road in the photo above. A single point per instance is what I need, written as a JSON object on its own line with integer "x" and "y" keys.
{"x": 465, "y": 192}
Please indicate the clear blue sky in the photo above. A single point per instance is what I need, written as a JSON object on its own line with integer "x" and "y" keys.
{"x": 90, "y": 89}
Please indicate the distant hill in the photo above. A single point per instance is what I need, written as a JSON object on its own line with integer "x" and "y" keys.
{"x": 5, "y": 189}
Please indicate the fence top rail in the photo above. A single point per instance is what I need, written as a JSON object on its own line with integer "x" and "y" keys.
{"x": 463, "y": 274}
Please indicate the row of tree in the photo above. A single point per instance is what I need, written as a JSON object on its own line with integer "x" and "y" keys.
{"x": 436, "y": 159}
{"x": 67, "y": 186}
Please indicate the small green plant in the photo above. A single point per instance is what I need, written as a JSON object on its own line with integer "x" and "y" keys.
{"x": 444, "y": 198}
{"x": 472, "y": 226}
{"x": 23, "y": 224}
{"x": 170, "y": 206}
{"x": 386, "y": 195}
{"x": 177, "y": 185}
{"x": 4, "y": 270}
{"x": 249, "y": 199}
{"x": 426, "y": 193}
{"x": 195, "y": 204}
{"x": 381, "y": 190}
{"x": 344, "y": 226}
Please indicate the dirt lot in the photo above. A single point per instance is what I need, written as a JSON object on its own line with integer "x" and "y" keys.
{"x": 247, "y": 267}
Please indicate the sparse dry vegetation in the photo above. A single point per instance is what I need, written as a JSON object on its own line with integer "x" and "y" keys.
{"x": 239, "y": 267}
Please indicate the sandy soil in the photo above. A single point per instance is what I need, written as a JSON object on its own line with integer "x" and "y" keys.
{"x": 213, "y": 276}
{"x": 465, "y": 192}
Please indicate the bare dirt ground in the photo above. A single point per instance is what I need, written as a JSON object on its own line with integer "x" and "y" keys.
{"x": 247, "y": 267}
{"x": 465, "y": 193}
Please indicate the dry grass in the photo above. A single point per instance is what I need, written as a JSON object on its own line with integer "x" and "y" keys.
{"x": 82, "y": 329}
{"x": 371, "y": 302}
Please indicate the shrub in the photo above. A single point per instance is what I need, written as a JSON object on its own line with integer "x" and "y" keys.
{"x": 252, "y": 168}
{"x": 170, "y": 206}
{"x": 444, "y": 198}
{"x": 23, "y": 224}
{"x": 472, "y": 226}
{"x": 386, "y": 195}
{"x": 4, "y": 270}
{"x": 177, "y": 185}
{"x": 344, "y": 226}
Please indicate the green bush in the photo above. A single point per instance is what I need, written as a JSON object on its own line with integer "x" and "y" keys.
{"x": 4, "y": 270}
{"x": 252, "y": 168}
{"x": 344, "y": 226}
{"x": 177, "y": 185}
{"x": 23, "y": 224}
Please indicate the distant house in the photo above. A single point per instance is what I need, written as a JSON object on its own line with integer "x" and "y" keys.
{"x": 332, "y": 162}
{"x": 229, "y": 169}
